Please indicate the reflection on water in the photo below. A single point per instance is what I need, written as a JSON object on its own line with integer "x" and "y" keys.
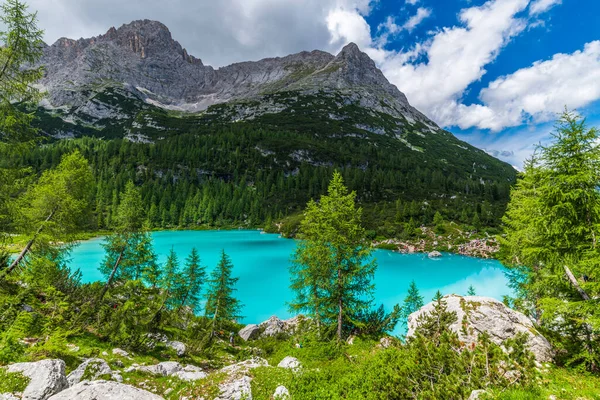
{"x": 261, "y": 262}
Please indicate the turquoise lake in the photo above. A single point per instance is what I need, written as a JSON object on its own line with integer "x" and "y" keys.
{"x": 261, "y": 262}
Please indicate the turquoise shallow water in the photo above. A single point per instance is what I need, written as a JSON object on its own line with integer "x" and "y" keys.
{"x": 261, "y": 262}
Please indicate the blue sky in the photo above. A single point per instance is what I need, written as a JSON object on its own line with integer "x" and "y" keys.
{"x": 493, "y": 72}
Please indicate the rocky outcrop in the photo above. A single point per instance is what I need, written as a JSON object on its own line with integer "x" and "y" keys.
{"x": 92, "y": 369}
{"x": 237, "y": 389}
{"x": 47, "y": 377}
{"x": 104, "y": 390}
{"x": 171, "y": 368}
{"x": 143, "y": 58}
{"x": 244, "y": 366}
{"x": 290, "y": 363}
{"x": 271, "y": 327}
{"x": 249, "y": 332}
{"x": 155, "y": 338}
{"x": 483, "y": 314}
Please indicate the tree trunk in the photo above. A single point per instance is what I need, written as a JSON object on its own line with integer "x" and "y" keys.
{"x": 111, "y": 277}
{"x": 574, "y": 282}
{"x": 215, "y": 317}
{"x": 23, "y": 252}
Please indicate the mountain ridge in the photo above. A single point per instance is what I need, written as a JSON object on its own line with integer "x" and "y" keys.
{"x": 143, "y": 55}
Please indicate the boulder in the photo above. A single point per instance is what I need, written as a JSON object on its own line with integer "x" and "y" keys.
{"x": 249, "y": 332}
{"x": 190, "y": 373}
{"x": 478, "y": 314}
{"x": 273, "y": 326}
{"x": 281, "y": 393}
{"x": 120, "y": 352}
{"x": 386, "y": 342}
{"x": 166, "y": 368}
{"x": 238, "y": 389}
{"x": 91, "y": 369}
{"x": 9, "y": 396}
{"x": 244, "y": 366}
{"x": 47, "y": 377}
{"x": 476, "y": 394}
{"x": 290, "y": 363}
{"x": 179, "y": 347}
{"x": 104, "y": 390}
{"x": 434, "y": 254}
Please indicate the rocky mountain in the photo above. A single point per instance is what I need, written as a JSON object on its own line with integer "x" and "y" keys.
{"x": 143, "y": 59}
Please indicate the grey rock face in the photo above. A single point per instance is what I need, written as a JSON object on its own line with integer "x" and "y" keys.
{"x": 249, "y": 332}
{"x": 104, "y": 390}
{"x": 90, "y": 369}
{"x": 47, "y": 377}
{"x": 237, "y": 389}
{"x": 484, "y": 314}
{"x": 272, "y": 326}
{"x": 190, "y": 373}
{"x": 144, "y": 59}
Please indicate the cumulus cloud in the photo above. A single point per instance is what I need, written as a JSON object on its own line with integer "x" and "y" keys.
{"x": 455, "y": 58}
{"x": 541, "y": 6}
{"x": 415, "y": 20}
{"x": 412, "y": 2}
{"x": 540, "y": 91}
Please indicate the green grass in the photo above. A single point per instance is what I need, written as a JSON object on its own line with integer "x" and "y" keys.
{"x": 12, "y": 382}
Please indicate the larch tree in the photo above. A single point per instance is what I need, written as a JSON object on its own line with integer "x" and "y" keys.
{"x": 552, "y": 226}
{"x": 129, "y": 252}
{"x": 221, "y": 304}
{"x": 57, "y": 206}
{"x": 332, "y": 271}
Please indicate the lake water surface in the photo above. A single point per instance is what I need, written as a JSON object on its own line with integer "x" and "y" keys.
{"x": 261, "y": 262}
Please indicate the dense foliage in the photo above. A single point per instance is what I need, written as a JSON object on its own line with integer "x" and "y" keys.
{"x": 551, "y": 241}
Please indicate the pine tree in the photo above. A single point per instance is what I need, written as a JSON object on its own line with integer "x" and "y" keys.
{"x": 194, "y": 276}
{"x": 412, "y": 302}
{"x": 333, "y": 270}
{"x": 171, "y": 282}
{"x": 221, "y": 305}
{"x": 471, "y": 291}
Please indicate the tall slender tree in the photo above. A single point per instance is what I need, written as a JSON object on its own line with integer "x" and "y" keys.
{"x": 129, "y": 250}
{"x": 221, "y": 305}
{"x": 552, "y": 223}
{"x": 332, "y": 272}
{"x": 412, "y": 302}
{"x": 194, "y": 276}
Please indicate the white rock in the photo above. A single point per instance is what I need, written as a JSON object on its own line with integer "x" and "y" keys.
{"x": 179, "y": 347}
{"x": 290, "y": 363}
{"x": 281, "y": 393}
{"x": 249, "y": 332}
{"x": 166, "y": 368}
{"x": 245, "y": 366}
{"x": 385, "y": 342}
{"x": 484, "y": 314}
{"x": 190, "y": 373}
{"x": 9, "y": 396}
{"x": 120, "y": 352}
{"x": 272, "y": 326}
{"x": 47, "y": 377}
{"x": 95, "y": 368}
{"x": 434, "y": 254}
{"x": 104, "y": 390}
{"x": 238, "y": 389}
{"x": 476, "y": 394}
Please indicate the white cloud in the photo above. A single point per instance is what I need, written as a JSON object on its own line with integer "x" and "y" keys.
{"x": 540, "y": 91}
{"x": 412, "y": 2}
{"x": 455, "y": 58}
{"x": 415, "y": 20}
{"x": 541, "y": 6}
{"x": 218, "y": 32}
